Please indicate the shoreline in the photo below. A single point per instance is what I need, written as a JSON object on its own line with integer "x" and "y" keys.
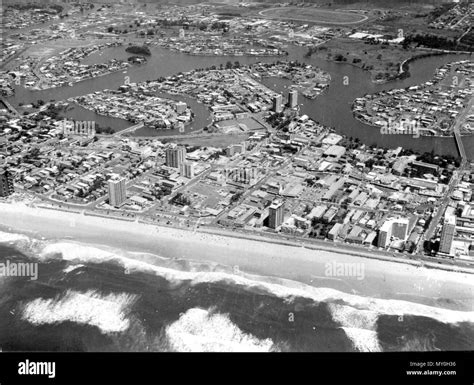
{"x": 404, "y": 72}
{"x": 431, "y": 143}
{"x": 302, "y": 243}
{"x": 404, "y": 68}
{"x": 383, "y": 278}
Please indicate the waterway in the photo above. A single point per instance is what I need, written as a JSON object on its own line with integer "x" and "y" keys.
{"x": 202, "y": 118}
{"x": 331, "y": 108}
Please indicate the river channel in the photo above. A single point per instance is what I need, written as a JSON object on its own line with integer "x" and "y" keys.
{"x": 331, "y": 108}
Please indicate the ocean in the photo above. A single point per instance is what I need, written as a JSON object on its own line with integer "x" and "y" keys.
{"x": 94, "y": 298}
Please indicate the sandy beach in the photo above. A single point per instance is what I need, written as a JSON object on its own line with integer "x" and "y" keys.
{"x": 381, "y": 278}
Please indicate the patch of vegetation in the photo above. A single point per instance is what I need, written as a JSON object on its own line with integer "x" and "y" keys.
{"x": 432, "y": 41}
{"x": 139, "y": 50}
{"x": 180, "y": 200}
{"x": 104, "y": 130}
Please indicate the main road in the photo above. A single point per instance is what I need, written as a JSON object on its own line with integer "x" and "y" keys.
{"x": 455, "y": 179}
{"x": 460, "y": 120}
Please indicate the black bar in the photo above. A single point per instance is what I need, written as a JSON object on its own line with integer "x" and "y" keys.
{"x": 235, "y": 368}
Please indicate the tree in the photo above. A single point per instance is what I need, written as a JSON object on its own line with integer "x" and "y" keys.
{"x": 369, "y": 163}
{"x": 97, "y": 182}
{"x": 236, "y": 197}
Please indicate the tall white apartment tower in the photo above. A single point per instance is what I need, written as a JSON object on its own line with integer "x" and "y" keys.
{"x": 117, "y": 192}
{"x": 293, "y": 99}
{"x": 175, "y": 156}
{"x": 447, "y": 234}
{"x": 277, "y": 103}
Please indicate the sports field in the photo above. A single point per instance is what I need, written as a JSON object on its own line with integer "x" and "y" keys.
{"x": 314, "y": 15}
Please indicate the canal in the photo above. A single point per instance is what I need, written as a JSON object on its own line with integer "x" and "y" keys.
{"x": 331, "y": 108}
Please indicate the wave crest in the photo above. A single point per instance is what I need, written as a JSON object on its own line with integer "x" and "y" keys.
{"x": 199, "y": 330}
{"x": 361, "y": 311}
{"x": 359, "y": 326}
{"x": 12, "y": 237}
{"x": 107, "y": 312}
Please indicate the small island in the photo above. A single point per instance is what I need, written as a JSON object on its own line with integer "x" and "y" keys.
{"x": 138, "y": 50}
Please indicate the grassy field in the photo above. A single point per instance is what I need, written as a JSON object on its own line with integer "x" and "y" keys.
{"x": 411, "y": 23}
{"x": 382, "y": 62}
{"x": 314, "y": 15}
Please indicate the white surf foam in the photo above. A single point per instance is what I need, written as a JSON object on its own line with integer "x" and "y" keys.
{"x": 76, "y": 252}
{"x": 363, "y": 340}
{"x": 12, "y": 237}
{"x": 107, "y": 312}
{"x": 199, "y": 330}
{"x": 280, "y": 287}
{"x": 359, "y": 326}
{"x": 354, "y": 318}
{"x": 71, "y": 268}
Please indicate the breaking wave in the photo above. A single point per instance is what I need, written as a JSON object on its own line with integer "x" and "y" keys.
{"x": 200, "y": 330}
{"x": 359, "y": 325}
{"x": 279, "y": 287}
{"x": 203, "y": 330}
{"x": 72, "y": 268}
{"x": 12, "y": 237}
{"x": 363, "y": 340}
{"x": 107, "y": 312}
